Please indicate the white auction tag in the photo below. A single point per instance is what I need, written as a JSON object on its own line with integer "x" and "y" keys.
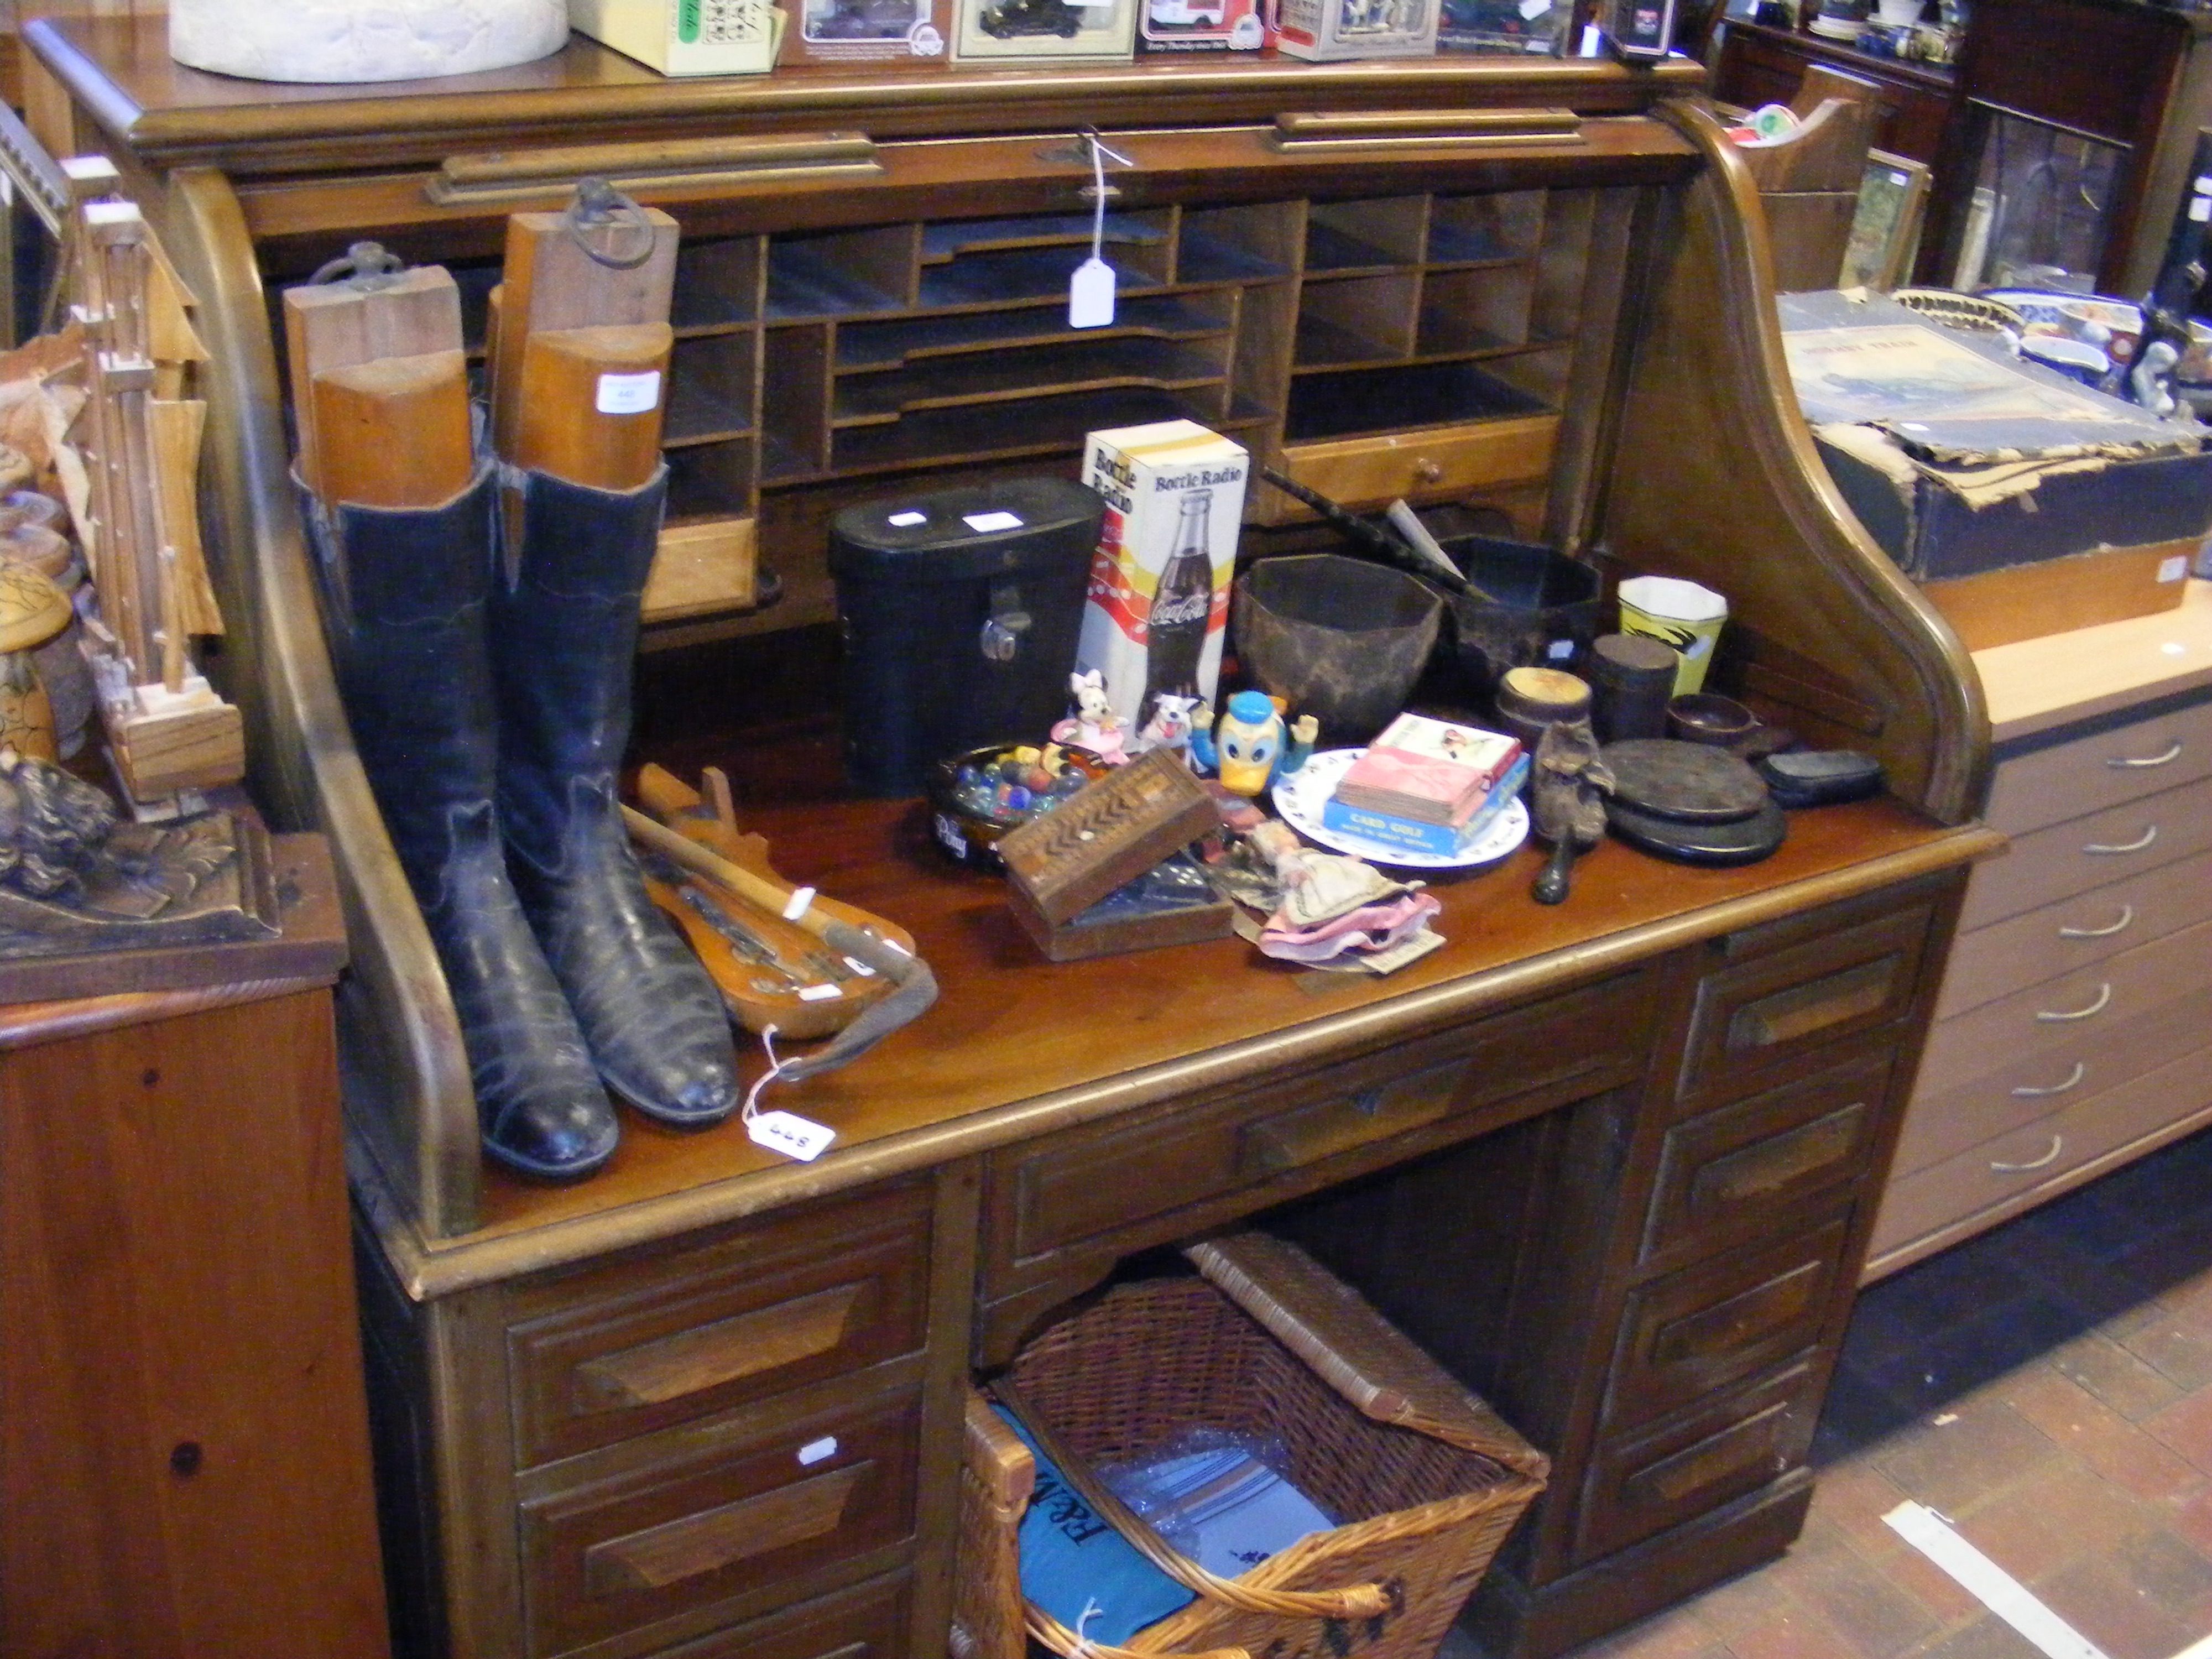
{"x": 986, "y": 524}
{"x": 907, "y": 519}
{"x": 815, "y": 1450}
{"x": 818, "y": 993}
{"x": 788, "y": 1133}
{"x": 629, "y": 394}
{"x": 1090, "y": 294}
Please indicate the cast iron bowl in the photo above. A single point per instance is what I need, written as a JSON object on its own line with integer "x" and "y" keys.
{"x": 967, "y": 838}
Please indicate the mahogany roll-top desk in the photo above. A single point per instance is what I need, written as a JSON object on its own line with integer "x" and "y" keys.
{"x": 1615, "y": 1164}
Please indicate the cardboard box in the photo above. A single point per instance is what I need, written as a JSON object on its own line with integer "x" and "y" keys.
{"x": 1201, "y": 26}
{"x": 1073, "y": 30}
{"x": 1164, "y": 485}
{"x": 685, "y": 37}
{"x": 1326, "y": 31}
{"x": 910, "y": 32}
{"x": 1963, "y": 462}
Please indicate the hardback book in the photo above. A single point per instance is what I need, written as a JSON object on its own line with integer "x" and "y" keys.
{"x": 1412, "y": 835}
{"x": 1435, "y": 771}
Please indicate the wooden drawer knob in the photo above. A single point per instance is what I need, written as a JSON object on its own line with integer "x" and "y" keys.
{"x": 1428, "y": 472}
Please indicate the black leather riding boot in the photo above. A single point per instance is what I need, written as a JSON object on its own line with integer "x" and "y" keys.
{"x": 563, "y": 631}
{"x": 404, "y": 594}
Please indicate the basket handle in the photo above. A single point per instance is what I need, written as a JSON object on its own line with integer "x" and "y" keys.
{"x": 1050, "y": 1634}
{"x": 1356, "y": 1601}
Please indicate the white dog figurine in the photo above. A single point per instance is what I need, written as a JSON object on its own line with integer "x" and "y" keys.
{"x": 1169, "y": 726}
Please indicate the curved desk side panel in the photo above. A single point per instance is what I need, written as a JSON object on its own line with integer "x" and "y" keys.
{"x": 407, "y": 1087}
{"x": 1715, "y": 473}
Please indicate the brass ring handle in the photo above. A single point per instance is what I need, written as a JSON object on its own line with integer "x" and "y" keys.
{"x": 1427, "y": 471}
{"x": 2029, "y": 1091}
{"x": 2127, "y": 915}
{"x": 2050, "y": 1156}
{"x": 2135, "y": 846}
{"x": 2125, "y": 762}
{"x": 2096, "y": 1006}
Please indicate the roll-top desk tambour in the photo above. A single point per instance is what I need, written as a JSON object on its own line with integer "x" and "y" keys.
{"x": 1615, "y": 1164}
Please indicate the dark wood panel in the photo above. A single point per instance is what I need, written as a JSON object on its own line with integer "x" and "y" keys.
{"x": 1761, "y": 65}
{"x": 866, "y": 1622}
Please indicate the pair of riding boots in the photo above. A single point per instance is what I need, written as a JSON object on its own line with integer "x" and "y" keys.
{"x": 487, "y": 679}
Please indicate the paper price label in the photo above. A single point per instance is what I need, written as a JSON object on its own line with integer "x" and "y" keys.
{"x": 1090, "y": 294}
{"x": 794, "y": 1136}
{"x": 629, "y": 394}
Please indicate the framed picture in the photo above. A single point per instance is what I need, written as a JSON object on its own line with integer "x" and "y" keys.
{"x": 1885, "y": 228}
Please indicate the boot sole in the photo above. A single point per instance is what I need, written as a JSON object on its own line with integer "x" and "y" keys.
{"x": 554, "y": 1172}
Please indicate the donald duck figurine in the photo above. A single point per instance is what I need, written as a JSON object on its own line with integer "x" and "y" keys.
{"x": 1247, "y": 746}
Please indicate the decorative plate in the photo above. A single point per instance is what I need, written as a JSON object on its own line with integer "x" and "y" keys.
{"x": 1300, "y": 797}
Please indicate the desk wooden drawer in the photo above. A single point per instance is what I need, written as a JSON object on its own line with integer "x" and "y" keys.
{"x": 1643, "y": 1484}
{"x": 1760, "y": 1159}
{"x": 1695, "y": 1332}
{"x": 721, "y": 1517}
{"x": 2103, "y": 769}
{"x": 2006, "y": 1064}
{"x": 663, "y": 1338}
{"x": 2089, "y": 852}
{"x": 1771, "y": 1009}
{"x": 2074, "y": 933}
{"x": 2010, "y": 1168}
{"x": 869, "y": 1621}
{"x": 1092, "y": 1184}
{"x": 1443, "y": 460}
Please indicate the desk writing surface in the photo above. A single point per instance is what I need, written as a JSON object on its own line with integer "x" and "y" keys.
{"x": 1017, "y": 1046}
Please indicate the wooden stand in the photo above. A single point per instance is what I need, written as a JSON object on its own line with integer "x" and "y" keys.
{"x": 184, "y": 1448}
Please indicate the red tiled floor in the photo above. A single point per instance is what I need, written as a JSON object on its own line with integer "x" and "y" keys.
{"x": 2048, "y": 1389}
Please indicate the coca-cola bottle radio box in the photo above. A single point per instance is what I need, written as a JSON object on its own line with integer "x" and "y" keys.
{"x": 1157, "y": 607}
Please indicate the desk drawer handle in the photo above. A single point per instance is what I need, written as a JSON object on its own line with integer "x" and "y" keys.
{"x": 712, "y": 1355}
{"x": 2127, "y": 915}
{"x": 2050, "y": 1156}
{"x": 2097, "y": 1006}
{"x": 2135, "y": 846}
{"x": 698, "y": 1544}
{"x": 2029, "y": 1091}
{"x": 2129, "y": 763}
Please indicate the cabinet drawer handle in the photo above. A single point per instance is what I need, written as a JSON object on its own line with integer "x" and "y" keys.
{"x": 2029, "y": 1091}
{"x": 2127, "y": 915}
{"x": 2124, "y": 763}
{"x": 2097, "y": 1006}
{"x": 1428, "y": 472}
{"x": 2050, "y": 1156}
{"x": 2135, "y": 846}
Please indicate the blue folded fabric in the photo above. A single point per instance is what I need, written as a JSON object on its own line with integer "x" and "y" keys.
{"x": 1071, "y": 1558}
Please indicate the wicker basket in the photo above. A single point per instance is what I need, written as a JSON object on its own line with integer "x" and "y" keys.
{"x": 1430, "y": 1479}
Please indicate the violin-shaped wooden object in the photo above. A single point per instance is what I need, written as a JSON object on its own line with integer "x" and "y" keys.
{"x": 771, "y": 971}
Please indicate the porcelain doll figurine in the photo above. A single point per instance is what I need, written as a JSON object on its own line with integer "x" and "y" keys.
{"x": 1094, "y": 724}
{"x": 1249, "y": 748}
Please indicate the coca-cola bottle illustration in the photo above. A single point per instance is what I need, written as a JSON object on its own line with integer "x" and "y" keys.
{"x": 1175, "y": 632}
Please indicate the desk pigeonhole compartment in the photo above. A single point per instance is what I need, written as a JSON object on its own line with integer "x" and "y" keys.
{"x": 1426, "y": 1480}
